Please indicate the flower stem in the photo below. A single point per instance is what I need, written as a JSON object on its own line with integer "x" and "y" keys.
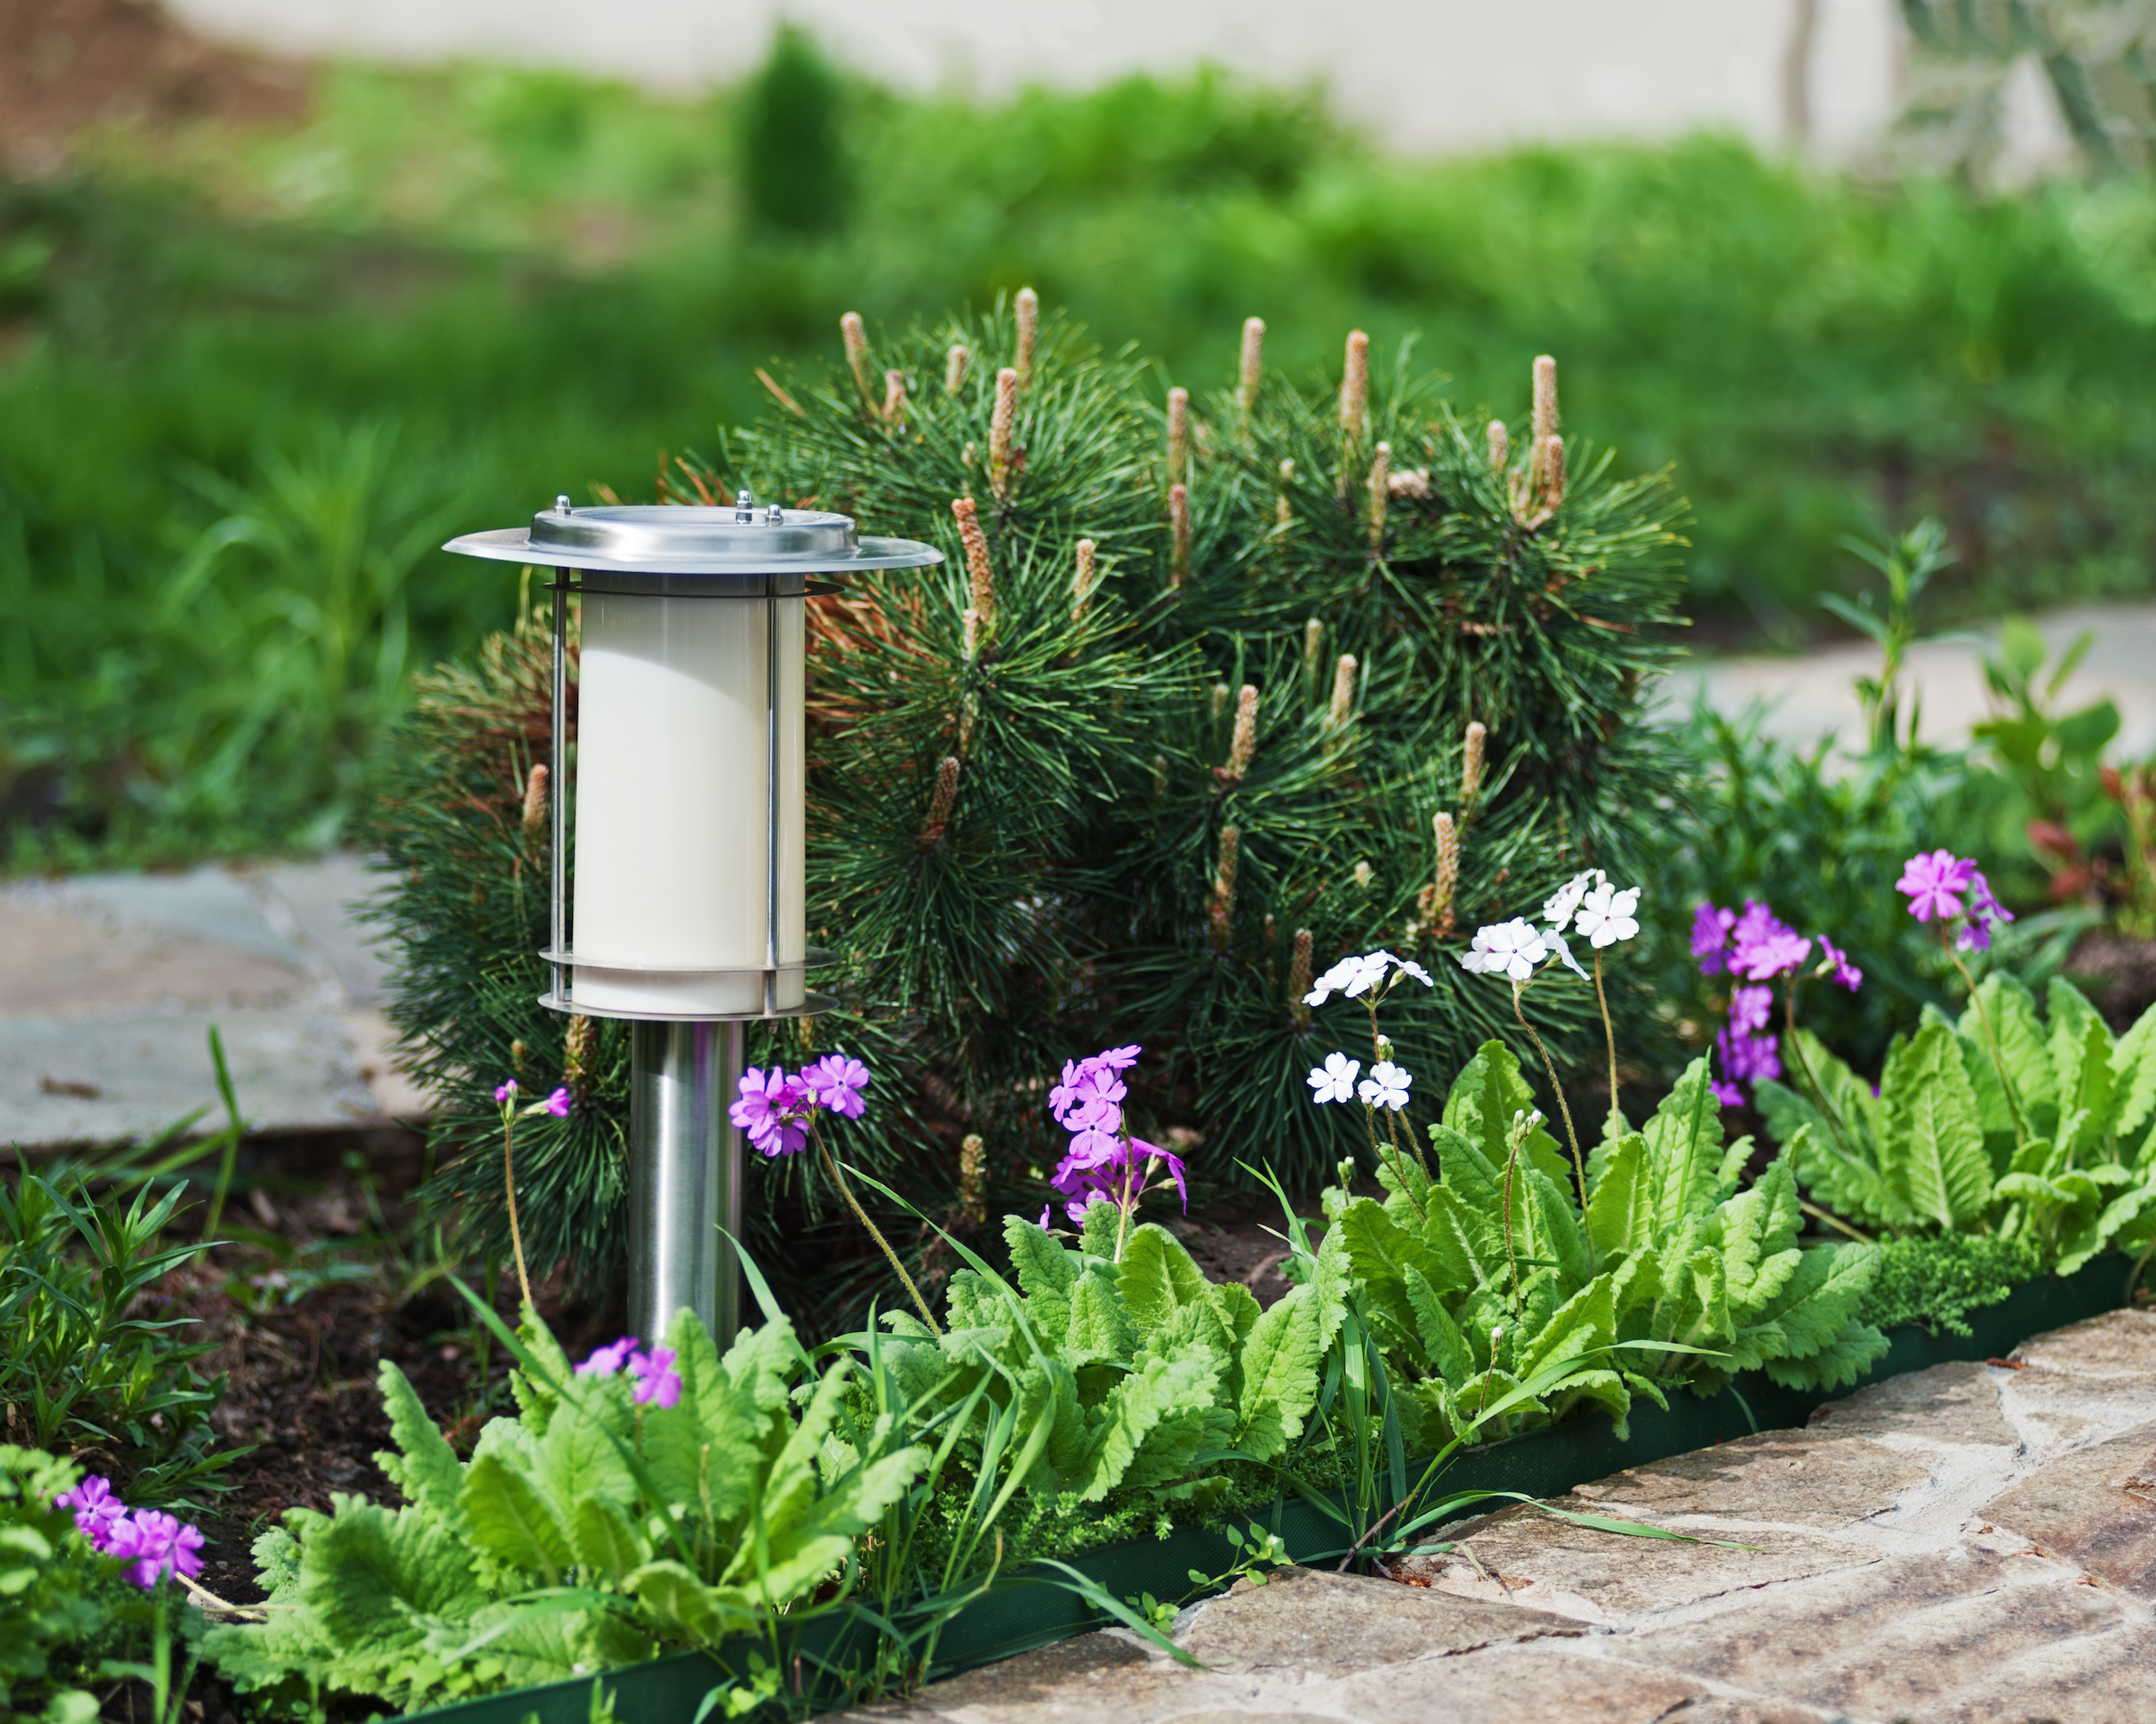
{"x": 1609, "y": 1035}
{"x": 1992, "y": 1040}
{"x": 1579, "y": 1161}
{"x": 1818, "y": 1214}
{"x": 874, "y": 1233}
{"x": 1399, "y": 1162}
{"x": 1827, "y": 1108}
{"x": 1511, "y": 1156}
{"x": 509, "y": 1179}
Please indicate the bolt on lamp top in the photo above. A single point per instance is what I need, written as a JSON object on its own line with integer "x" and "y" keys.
{"x": 695, "y": 540}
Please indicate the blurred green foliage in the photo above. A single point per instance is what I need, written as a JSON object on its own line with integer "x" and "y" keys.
{"x": 443, "y": 297}
{"x": 793, "y": 170}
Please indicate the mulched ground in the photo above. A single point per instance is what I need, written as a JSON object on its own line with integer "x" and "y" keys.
{"x": 68, "y": 64}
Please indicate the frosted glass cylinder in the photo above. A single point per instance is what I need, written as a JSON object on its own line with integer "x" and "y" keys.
{"x": 673, "y": 804}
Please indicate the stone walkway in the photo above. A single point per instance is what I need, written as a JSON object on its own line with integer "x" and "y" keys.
{"x": 109, "y": 983}
{"x": 1973, "y": 1544}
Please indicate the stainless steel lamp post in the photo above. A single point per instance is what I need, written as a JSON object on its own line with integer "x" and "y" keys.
{"x": 689, "y": 907}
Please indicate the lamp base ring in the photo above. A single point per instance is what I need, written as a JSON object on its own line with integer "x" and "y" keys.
{"x": 811, "y": 1005}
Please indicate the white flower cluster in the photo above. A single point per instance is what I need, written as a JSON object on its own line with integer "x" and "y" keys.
{"x": 1386, "y": 1086}
{"x": 1356, "y": 976}
{"x": 1586, "y": 904}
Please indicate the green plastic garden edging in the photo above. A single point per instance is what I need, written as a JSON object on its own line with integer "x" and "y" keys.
{"x": 1022, "y": 1613}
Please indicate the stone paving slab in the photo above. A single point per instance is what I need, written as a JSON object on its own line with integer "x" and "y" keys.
{"x": 109, "y": 983}
{"x": 1972, "y": 1544}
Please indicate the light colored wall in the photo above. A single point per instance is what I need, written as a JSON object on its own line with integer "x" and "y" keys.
{"x": 1424, "y": 76}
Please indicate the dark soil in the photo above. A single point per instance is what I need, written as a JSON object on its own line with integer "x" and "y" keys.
{"x": 2117, "y": 973}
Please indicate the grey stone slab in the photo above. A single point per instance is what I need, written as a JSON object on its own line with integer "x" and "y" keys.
{"x": 1538, "y": 1560}
{"x": 1797, "y": 1477}
{"x": 1956, "y": 1403}
{"x": 325, "y": 901}
{"x": 2107, "y": 1678}
{"x": 2088, "y": 1380}
{"x": 1308, "y": 1619}
{"x": 109, "y": 983}
{"x": 104, "y": 1080}
{"x": 1080, "y": 1681}
{"x": 1513, "y": 1685}
{"x": 209, "y": 904}
{"x": 63, "y": 961}
{"x": 1887, "y": 1642}
{"x": 2092, "y": 1506}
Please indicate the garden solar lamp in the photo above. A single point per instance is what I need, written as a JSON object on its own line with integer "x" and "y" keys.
{"x": 688, "y": 915}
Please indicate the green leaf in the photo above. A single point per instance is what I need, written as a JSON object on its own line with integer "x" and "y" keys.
{"x": 1045, "y": 1272}
{"x": 1279, "y": 1371}
{"x": 1100, "y": 1326}
{"x": 2134, "y": 1065}
{"x": 1155, "y": 1390}
{"x": 683, "y": 1608}
{"x": 427, "y": 1470}
{"x": 1443, "y": 1345}
{"x": 2010, "y": 1011}
{"x": 511, "y": 1522}
{"x": 1584, "y": 1324}
{"x": 1484, "y": 1098}
{"x": 1157, "y": 1278}
{"x": 367, "y": 1575}
{"x": 1621, "y": 1214}
{"x": 1758, "y": 1230}
{"x": 1684, "y": 1146}
{"x": 606, "y": 1544}
{"x": 1931, "y": 1148}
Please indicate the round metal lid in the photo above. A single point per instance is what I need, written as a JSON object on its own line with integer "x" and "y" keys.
{"x": 674, "y": 540}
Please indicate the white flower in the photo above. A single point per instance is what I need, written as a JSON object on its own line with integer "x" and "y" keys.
{"x": 1333, "y": 980}
{"x": 1335, "y": 1080}
{"x": 1409, "y": 966}
{"x": 1607, "y": 917}
{"x": 1557, "y": 911}
{"x": 1511, "y": 950}
{"x": 1374, "y": 965}
{"x": 1386, "y": 1086}
{"x": 1555, "y": 941}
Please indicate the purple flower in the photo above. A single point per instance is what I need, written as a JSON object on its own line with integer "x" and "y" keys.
{"x": 836, "y": 1082}
{"x": 1102, "y": 1169}
{"x": 1727, "y": 1094}
{"x": 1711, "y": 937}
{"x": 1985, "y": 912}
{"x": 157, "y": 1544}
{"x": 96, "y": 1509}
{"x": 557, "y": 1103}
{"x": 1932, "y": 882}
{"x": 1749, "y": 1059}
{"x": 770, "y": 1110}
{"x": 1762, "y": 946}
{"x": 606, "y": 1361}
{"x": 1839, "y": 967}
{"x": 656, "y": 1378}
{"x": 1750, "y": 1009}
{"x": 1118, "y": 1059}
{"x": 504, "y": 1091}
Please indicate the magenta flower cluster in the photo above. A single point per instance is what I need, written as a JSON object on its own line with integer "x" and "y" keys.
{"x": 657, "y": 1382}
{"x": 152, "y": 1543}
{"x": 1935, "y": 885}
{"x": 775, "y": 1107}
{"x": 1104, "y": 1163}
{"x": 1756, "y": 947}
{"x": 556, "y": 1103}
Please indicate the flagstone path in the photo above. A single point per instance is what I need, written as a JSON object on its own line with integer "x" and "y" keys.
{"x": 1973, "y": 1544}
{"x": 109, "y": 983}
